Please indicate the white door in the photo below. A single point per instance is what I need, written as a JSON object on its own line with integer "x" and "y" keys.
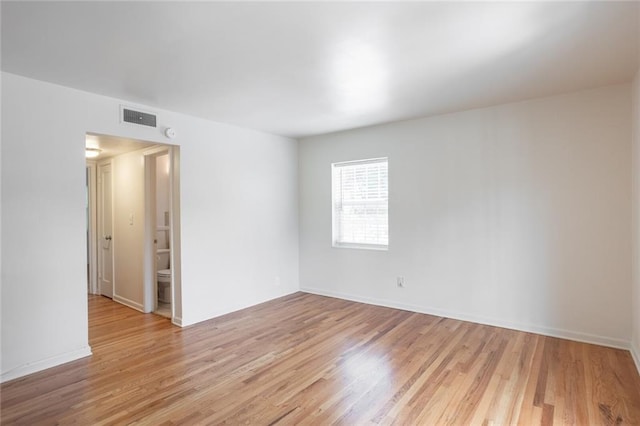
{"x": 105, "y": 242}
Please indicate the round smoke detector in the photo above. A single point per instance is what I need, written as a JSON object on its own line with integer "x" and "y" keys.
{"x": 170, "y": 132}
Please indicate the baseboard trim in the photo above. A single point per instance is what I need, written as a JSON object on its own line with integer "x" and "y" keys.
{"x": 130, "y": 303}
{"x": 635, "y": 354}
{"x": 34, "y": 367}
{"x": 177, "y": 321}
{"x": 191, "y": 321}
{"x": 545, "y": 331}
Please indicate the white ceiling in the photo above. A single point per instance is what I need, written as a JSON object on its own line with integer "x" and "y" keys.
{"x": 306, "y": 68}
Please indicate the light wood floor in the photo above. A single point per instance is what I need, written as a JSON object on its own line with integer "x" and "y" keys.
{"x": 306, "y": 359}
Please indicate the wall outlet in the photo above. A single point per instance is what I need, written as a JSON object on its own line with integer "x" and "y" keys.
{"x": 400, "y": 282}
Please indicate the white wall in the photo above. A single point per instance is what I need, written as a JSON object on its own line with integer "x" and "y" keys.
{"x": 251, "y": 236}
{"x": 128, "y": 235}
{"x": 635, "y": 340}
{"x": 516, "y": 215}
{"x": 238, "y": 214}
{"x": 44, "y": 309}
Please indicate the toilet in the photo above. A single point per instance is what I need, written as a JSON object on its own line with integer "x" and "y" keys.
{"x": 163, "y": 277}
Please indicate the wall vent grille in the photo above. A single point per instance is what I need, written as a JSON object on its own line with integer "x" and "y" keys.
{"x": 138, "y": 117}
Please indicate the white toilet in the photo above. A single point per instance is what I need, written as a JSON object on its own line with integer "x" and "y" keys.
{"x": 164, "y": 285}
{"x": 163, "y": 278}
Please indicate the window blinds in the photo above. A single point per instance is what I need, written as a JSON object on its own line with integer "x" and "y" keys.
{"x": 361, "y": 202}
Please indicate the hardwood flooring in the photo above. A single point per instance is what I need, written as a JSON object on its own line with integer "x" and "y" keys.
{"x": 306, "y": 359}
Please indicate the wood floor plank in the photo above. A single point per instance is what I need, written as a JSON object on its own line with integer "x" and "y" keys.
{"x": 307, "y": 359}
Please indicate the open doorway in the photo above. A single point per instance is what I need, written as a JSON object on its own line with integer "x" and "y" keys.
{"x": 158, "y": 195}
{"x": 133, "y": 223}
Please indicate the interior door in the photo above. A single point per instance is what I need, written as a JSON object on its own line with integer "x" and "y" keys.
{"x": 105, "y": 241}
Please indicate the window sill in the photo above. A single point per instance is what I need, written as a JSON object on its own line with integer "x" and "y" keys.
{"x": 376, "y": 247}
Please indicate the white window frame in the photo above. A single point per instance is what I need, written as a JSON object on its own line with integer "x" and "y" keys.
{"x": 336, "y": 204}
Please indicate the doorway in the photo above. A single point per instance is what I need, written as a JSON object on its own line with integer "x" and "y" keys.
{"x": 159, "y": 214}
{"x": 136, "y": 229}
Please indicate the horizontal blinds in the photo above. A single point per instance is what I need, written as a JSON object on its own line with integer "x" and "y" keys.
{"x": 361, "y": 197}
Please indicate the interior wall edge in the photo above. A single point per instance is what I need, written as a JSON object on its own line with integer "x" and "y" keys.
{"x": 635, "y": 354}
{"x": 34, "y": 367}
{"x": 577, "y": 336}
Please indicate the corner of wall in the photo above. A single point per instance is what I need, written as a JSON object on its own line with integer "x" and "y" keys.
{"x": 635, "y": 338}
{"x": 635, "y": 142}
{"x": 635, "y": 354}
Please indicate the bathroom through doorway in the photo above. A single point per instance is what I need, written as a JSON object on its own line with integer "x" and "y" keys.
{"x": 144, "y": 232}
{"x": 161, "y": 201}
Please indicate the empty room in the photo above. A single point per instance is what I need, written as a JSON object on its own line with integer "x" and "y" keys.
{"x": 413, "y": 213}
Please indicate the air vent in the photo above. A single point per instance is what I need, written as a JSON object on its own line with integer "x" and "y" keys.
{"x": 138, "y": 117}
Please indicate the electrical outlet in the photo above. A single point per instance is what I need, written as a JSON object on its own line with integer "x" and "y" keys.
{"x": 400, "y": 282}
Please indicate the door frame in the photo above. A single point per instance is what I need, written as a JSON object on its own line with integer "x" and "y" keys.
{"x": 149, "y": 272}
{"x": 92, "y": 223}
{"x": 150, "y": 281}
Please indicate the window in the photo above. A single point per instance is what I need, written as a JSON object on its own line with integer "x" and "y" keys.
{"x": 360, "y": 204}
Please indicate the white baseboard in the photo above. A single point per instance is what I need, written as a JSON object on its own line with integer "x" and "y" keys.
{"x": 529, "y": 328}
{"x": 177, "y": 321}
{"x": 635, "y": 354}
{"x": 211, "y": 315}
{"x": 130, "y": 303}
{"x": 34, "y": 367}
